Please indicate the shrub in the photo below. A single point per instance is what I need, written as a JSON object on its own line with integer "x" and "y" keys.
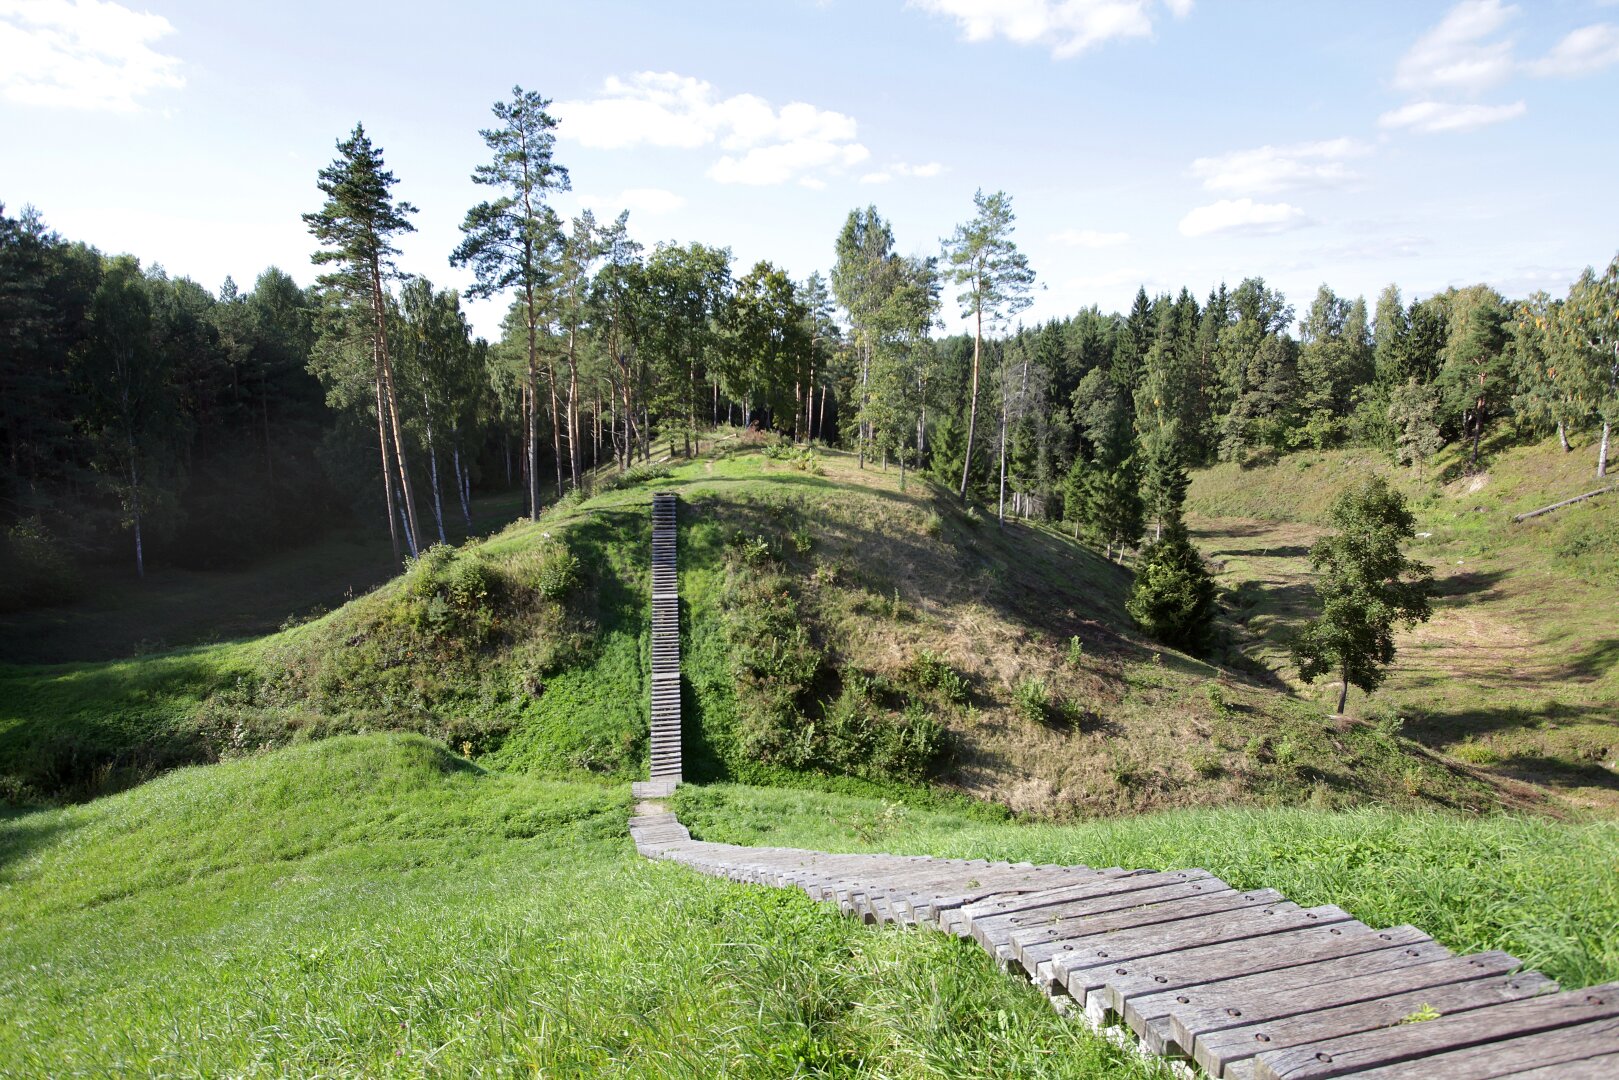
{"x": 1076, "y": 651}
{"x": 557, "y": 571}
{"x": 1032, "y": 699}
{"x": 929, "y": 671}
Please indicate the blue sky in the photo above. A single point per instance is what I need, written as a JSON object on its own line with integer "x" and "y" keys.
{"x": 1163, "y": 143}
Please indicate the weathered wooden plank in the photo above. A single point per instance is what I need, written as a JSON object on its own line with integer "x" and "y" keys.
{"x": 1038, "y": 945}
{"x": 1391, "y": 1046}
{"x": 1214, "y": 1050}
{"x": 1089, "y": 883}
{"x": 1583, "y": 1052}
{"x": 1079, "y": 968}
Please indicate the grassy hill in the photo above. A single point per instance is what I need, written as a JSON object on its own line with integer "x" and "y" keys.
{"x": 1518, "y": 671}
{"x": 378, "y": 905}
{"x": 839, "y": 630}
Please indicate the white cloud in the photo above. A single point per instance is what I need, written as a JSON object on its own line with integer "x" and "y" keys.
{"x": 82, "y": 54}
{"x": 1456, "y": 55}
{"x": 1437, "y": 116}
{"x": 650, "y": 202}
{"x": 1588, "y": 49}
{"x": 1269, "y": 169}
{"x": 661, "y": 108}
{"x": 814, "y": 183}
{"x": 1089, "y": 238}
{"x": 1066, "y": 27}
{"x": 1242, "y": 216}
{"x": 887, "y": 173}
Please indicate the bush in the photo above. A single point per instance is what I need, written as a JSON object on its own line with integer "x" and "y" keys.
{"x": 557, "y": 571}
{"x": 929, "y": 671}
{"x": 1173, "y": 595}
{"x": 1032, "y": 700}
{"x": 39, "y": 572}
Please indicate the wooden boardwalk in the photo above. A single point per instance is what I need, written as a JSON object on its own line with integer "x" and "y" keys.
{"x": 664, "y": 772}
{"x": 1244, "y": 983}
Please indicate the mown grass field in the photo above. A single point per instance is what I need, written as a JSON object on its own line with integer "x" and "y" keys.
{"x": 374, "y": 905}
{"x": 1518, "y": 671}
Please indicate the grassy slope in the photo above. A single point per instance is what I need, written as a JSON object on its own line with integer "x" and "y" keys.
{"x": 1518, "y": 671}
{"x": 882, "y": 575}
{"x": 374, "y": 905}
{"x": 1546, "y": 891}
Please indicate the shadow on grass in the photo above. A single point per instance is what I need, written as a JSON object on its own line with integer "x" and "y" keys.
{"x": 1283, "y": 551}
{"x": 1595, "y": 662}
{"x": 1440, "y": 729}
{"x": 1555, "y": 772}
{"x": 23, "y": 831}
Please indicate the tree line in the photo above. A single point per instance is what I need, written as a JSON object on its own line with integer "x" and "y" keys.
{"x": 141, "y": 410}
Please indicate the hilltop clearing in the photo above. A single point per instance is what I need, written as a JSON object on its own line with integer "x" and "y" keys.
{"x": 1518, "y": 671}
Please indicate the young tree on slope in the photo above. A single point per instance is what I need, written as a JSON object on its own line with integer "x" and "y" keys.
{"x": 995, "y": 279}
{"x": 356, "y": 228}
{"x": 1366, "y": 586}
{"x": 509, "y": 239}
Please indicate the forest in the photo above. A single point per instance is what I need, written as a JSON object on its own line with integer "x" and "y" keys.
{"x": 147, "y": 417}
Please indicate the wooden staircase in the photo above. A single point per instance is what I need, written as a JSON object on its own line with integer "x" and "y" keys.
{"x": 664, "y": 773}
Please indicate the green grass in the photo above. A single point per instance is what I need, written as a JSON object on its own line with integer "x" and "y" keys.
{"x": 878, "y": 579}
{"x": 1545, "y": 891}
{"x": 1518, "y": 671}
{"x": 377, "y": 906}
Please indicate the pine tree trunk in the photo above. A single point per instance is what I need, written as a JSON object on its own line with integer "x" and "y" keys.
{"x": 1343, "y": 690}
{"x": 575, "y": 459}
{"x": 387, "y": 470}
{"x": 432, "y": 466}
{"x": 972, "y": 413}
{"x": 820, "y": 422}
{"x": 264, "y": 416}
{"x": 385, "y": 364}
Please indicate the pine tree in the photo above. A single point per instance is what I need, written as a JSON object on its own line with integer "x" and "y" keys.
{"x": 356, "y": 228}
{"x": 507, "y": 241}
{"x": 995, "y": 279}
{"x": 1172, "y": 597}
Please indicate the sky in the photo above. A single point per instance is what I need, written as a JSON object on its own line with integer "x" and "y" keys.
{"x": 1164, "y": 143}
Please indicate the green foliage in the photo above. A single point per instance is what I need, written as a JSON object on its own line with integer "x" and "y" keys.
{"x": 555, "y": 570}
{"x": 929, "y": 671}
{"x": 1366, "y": 586}
{"x": 1032, "y": 699}
{"x": 1076, "y": 651}
{"x": 38, "y": 571}
{"x": 1173, "y": 595}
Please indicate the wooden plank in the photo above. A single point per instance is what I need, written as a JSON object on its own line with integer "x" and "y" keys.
{"x": 1583, "y": 1052}
{"x": 1391, "y": 1046}
{"x": 1155, "y": 986}
{"x": 1109, "y": 880}
{"x": 1214, "y": 1050}
{"x": 1048, "y": 904}
{"x": 1088, "y": 964}
{"x": 1040, "y": 944}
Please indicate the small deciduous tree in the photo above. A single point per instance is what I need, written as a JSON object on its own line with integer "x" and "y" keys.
{"x": 1367, "y": 586}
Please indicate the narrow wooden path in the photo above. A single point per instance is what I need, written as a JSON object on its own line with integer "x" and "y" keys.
{"x": 1245, "y": 984}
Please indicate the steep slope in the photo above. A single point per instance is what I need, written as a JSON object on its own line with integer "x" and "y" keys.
{"x": 1518, "y": 671}
{"x": 837, "y": 629}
